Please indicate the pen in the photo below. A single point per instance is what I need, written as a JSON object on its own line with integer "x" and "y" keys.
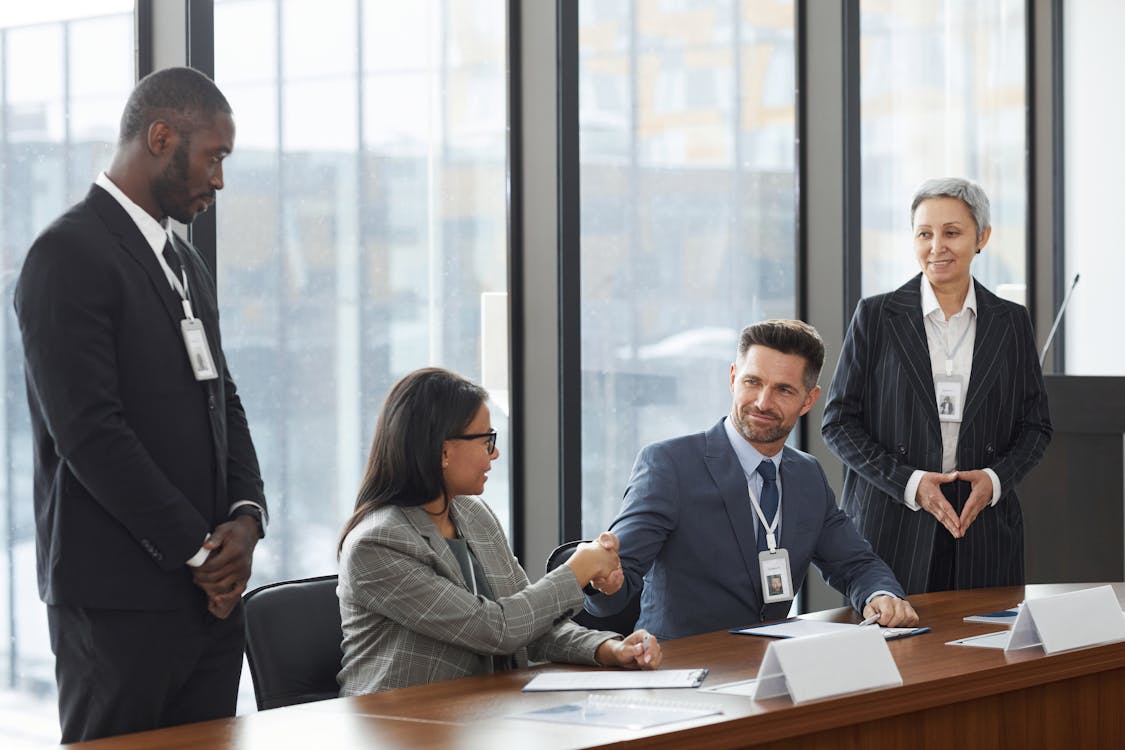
{"x": 870, "y": 620}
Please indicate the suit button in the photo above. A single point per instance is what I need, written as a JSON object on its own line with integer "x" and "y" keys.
{"x": 902, "y": 450}
{"x": 988, "y": 449}
{"x": 211, "y": 402}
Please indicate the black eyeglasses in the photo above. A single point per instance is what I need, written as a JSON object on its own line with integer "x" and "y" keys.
{"x": 490, "y": 444}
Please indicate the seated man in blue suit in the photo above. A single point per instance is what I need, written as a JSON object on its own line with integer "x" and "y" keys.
{"x": 713, "y": 520}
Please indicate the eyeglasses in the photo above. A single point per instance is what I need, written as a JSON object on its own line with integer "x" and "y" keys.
{"x": 490, "y": 444}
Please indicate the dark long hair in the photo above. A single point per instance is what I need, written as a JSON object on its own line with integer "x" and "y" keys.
{"x": 421, "y": 412}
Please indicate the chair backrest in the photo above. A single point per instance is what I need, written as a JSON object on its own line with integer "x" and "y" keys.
{"x": 294, "y": 641}
{"x": 624, "y": 622}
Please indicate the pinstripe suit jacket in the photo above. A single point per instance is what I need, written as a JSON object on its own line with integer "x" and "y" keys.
{"x": 409, "y": 618}
{"x": 881, "y": 419}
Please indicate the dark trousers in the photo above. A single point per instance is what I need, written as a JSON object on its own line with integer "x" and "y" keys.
{"x": 124, "y": 671}
{"x": 943, "y": 561}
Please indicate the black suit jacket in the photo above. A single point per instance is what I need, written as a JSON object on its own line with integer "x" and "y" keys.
{"x": 881, "y": 419}
{"x": 135, "y": 461}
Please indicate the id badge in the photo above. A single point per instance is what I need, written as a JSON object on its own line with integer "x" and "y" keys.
{"x": 948, "y": 390}
{"x": 777, "y": 581}
{"x": 199, "y": 354}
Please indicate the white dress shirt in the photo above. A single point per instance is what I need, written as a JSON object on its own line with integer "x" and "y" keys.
{"x": 942, "y": 336}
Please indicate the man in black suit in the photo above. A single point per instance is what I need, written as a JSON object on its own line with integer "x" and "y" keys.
{"x": 148, "y": 497}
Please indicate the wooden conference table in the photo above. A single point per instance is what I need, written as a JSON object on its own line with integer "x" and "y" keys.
{"x": 951, "y": 697}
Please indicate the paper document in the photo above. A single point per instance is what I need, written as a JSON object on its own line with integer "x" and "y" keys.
{"x": 799, "y": 628}
{"x": 1004, "y": 617}
{"x": 742, "y": 687}
{"x": 617, "y": 680}
{"x": 626, "y": 713}
{"x": 999, "y": 639}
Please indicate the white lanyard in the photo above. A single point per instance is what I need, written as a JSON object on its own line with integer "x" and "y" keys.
{"x": 180, "y": 287}
{"x": 949, "y": 355}
{"x": 771, "y": 539}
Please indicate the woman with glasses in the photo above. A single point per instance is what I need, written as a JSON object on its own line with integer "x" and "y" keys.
{"x": 429, "y": 589}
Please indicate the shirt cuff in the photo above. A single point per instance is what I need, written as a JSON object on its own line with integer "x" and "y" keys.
{"x": 199, "y": 557}
{"x": 995, "y": 486}
{"x": 910, "y": 497}
{"x": 878, "y": 594}
{"x": 240, "y": 503}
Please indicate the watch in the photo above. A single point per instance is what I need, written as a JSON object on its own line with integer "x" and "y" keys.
{"x": 254, "y": 512}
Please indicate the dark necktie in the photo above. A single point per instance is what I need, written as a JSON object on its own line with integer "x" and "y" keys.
{"x": 172, "y": 258}
{"x": 768, "y": 500}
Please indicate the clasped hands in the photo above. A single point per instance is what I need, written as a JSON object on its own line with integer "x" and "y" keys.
{"x": 224, "y": 575}
{"x": 931, "y": 499}
{"x": 596, "y": 563}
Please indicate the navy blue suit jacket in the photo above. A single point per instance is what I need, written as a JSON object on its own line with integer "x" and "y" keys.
{"x": 686, "y": 526}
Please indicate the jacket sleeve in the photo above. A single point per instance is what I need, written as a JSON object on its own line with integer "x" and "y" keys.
{"x": 392, "y": 571}
{"x": 845, "y": 424}
{"x": 66, "y": 304}
{"x": 1033, "y": 418}
{"x": 649, "y": 513}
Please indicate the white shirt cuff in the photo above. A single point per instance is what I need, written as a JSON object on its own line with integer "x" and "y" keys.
{"x": 199, "y": 557}
{"x": 265, "y": 514}
{"x": 995, "y": 486}
{"x": 910, "y": 497}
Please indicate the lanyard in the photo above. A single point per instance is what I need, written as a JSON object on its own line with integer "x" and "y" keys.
{"x": 771, "y": 539}
{"x": 949, "y": 355}
{"x": 179, "y": 284}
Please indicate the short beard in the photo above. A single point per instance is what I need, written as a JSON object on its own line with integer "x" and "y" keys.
{"x": 170, "y": 188}
{"x": 771, "y": 435}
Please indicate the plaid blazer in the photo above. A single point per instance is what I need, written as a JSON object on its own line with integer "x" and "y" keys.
{"x": 409, "y": 618}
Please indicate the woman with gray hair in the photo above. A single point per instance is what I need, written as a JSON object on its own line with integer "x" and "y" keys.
{"x": 938, "y": 408}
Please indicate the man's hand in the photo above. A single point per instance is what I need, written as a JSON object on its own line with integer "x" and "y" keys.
{"x": 595, "y": 560}
{"x": 979, "y": 497}
{"x": 613, "y": 582}
{"x": 931, "y": 500}
{"x": 893, "y": 612}
{"x": 224, "y": 575}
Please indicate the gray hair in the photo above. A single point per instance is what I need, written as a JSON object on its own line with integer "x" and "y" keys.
{"x": 967, "y": 191}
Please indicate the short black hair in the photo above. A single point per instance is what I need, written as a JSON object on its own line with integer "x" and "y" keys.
{"x": 787, "y": 337}
{"x": 183, "y": 97}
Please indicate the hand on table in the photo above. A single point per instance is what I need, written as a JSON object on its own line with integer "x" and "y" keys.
{"x": 640, "y": 650}
{"x": 893, "y": 612}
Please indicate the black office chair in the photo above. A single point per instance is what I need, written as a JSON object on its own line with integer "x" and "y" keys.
{"x": 624, "y": 622}
{"x": 293, "y": 641}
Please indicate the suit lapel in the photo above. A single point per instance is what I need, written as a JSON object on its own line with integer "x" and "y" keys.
{"x": 730, "y": 480}
{"x": 133, "y": 243}
{"x": 447, "y": 564}
{"x": 794, "y": 521}
{"x": 993, "y": 324}
{"x": 908, "y": 335}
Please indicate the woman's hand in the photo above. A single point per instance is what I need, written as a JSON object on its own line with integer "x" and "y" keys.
{"x": 931, "y": 500}
{"x": 979, "y": 496}
{"x": 597, "y": 560}
{"x": 638, "y": 651}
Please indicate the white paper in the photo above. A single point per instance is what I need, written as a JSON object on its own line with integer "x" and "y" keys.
{"x": 602, "y": 711}
{"x": 798, "y": 628}
{"x": 999, "y": 639}
{"x": 618, "y": 679}
{"x": 1087, "y": 617}
{"x": 827, "y": 665}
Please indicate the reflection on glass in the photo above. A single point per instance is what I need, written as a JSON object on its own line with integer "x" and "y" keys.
{"x": 364, "y": 216}
{"x": 67, "y": 68}
{"x": 943, "y": 94}
{"x": 687, "y": 138}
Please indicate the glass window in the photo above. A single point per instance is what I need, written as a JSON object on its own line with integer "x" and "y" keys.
{"x": 362, "y": 224}
{"x": 943, "y": 94}
{"x": 67, "y": 69}
{"x": 1094, "y": 163}
{"x": 687, "y": 134}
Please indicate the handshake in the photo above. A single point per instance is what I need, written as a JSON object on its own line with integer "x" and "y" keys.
{"x": 596, "y": 563}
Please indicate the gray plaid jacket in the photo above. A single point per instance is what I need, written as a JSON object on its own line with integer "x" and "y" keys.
{"x": 409, "y": 618}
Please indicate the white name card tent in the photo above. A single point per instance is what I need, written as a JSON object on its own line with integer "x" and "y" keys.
{"x": 825, "y": 665}
{"x": 1072, "y": 620}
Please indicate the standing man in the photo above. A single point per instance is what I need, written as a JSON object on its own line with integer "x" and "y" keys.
{"x": 148, "y": 497}
{"x": 722, "y": 525}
